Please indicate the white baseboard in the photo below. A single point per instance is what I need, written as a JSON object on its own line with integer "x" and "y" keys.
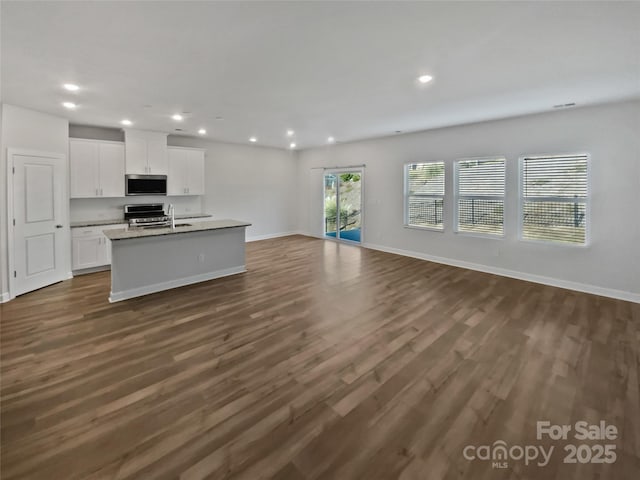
{"x": 554, "y": 282}
{"x": 85, "y": 271}
{"x": 181, "y": 282}
{"x": 270, "y": 235}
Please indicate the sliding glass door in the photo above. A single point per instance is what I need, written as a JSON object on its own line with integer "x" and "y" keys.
{"x": 343, "y": 205}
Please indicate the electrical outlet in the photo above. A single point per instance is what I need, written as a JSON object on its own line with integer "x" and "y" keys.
{"x": 201, "y": 258}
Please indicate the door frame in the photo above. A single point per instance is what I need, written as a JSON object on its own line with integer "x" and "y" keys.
{"x": 338, "y": 171}
{"x": 11, "y": 152}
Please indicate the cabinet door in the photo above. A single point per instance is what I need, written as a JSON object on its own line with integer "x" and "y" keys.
{"x": 136, "y": 154}
{"x": 83, "y": 163}
{"x": 176, "y": 184}
{"x": 157, "y": 153}
{"x": 88, "y": 251}
{"x": 195, "y": 172}
{"x": 111, "y": 170}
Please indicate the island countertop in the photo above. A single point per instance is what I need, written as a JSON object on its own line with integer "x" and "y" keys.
{"x": 181, "y": 227}
{"x": 116, "y": 221}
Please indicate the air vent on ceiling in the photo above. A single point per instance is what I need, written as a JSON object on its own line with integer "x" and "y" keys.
{"x": 564, "y": 105}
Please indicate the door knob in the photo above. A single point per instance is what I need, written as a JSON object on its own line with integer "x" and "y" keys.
{"x": 58, "y": 226}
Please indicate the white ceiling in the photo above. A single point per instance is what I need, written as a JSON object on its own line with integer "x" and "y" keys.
{"x": 321, "y": 68}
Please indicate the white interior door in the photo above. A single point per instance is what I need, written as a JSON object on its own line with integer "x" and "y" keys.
{"x": 38, "y": 234}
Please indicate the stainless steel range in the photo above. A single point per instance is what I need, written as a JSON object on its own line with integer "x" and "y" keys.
{"x": 147, "y": 215}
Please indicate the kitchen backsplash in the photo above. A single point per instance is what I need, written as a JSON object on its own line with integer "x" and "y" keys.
{"x": 112, "y": 208}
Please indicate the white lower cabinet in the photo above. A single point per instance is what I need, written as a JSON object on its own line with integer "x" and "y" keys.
{"x": 90, "y": 248}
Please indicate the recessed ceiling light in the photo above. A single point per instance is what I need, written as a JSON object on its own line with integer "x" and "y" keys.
{"x": 126, "y": 122}
{"x": 253, "y": 139}
{"x": 69, "y": 105}
{"x": 290, "y": 133}
{"x": 292, "y": 145}
{"x": 331, "y": 140}
{"x": 425, "y": 78}
{"x": 202, "y": 131}
{"x": 71, "y": 87}
{"x": 177, "y": 117}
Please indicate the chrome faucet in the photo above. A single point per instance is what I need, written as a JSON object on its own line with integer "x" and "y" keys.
{"x": 172, "y": 214}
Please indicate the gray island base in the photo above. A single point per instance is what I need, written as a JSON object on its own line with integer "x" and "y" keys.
{"x": 145, "y": 261}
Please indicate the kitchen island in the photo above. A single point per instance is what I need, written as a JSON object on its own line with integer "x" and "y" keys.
{"x": 149, "y": 260}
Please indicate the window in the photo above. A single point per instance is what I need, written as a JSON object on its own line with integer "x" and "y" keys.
{"x": 480, "y": 196}
{"x": 424, "y": 194}
{"x": 554, "y": 198}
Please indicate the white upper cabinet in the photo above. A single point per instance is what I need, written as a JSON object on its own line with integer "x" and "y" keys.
{"x": 111, "y": 161}
{"x": 146, "y": 152}
{"x": 136, "y": 154}
{"x": 96, "y": 168}
{"x": 186, "y": 171}
{"x": 177, "y": 167}
{"x": 195, "y": 172}
{"x": 84, "y": 167}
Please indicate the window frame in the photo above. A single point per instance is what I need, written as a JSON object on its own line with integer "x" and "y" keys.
{"x": 406, "y": 223}
{"x": 457, "y": 196}
{"x": 587, "y": 202}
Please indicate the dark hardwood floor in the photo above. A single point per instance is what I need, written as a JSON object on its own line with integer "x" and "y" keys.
{"x": 323, "y": 361}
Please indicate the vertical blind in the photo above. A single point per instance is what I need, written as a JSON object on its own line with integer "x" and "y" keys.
{"x": 424, "y": 194}
{"x": 480, "y": 196}
{"x": 554, "y": 198}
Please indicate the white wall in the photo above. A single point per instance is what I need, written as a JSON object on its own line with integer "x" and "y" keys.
{"x": 610, "y": 265}
{"x": 251, "y": 183}
{"x": 26, "y": 129}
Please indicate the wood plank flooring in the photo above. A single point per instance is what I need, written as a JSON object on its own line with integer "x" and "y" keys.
{"x": 323, "y": 361}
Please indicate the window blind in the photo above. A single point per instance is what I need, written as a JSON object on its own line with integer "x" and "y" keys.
{"x": 554, "y": 198}
{"x": 424, "y": 197}
{"x": 480, "y": 196}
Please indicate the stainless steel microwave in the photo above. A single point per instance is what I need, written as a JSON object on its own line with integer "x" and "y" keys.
{"x": 145, "y": 184}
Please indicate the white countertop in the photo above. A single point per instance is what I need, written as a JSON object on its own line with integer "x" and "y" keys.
{"x": 139, "y": 232}
{"x": 116, "y": 221}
